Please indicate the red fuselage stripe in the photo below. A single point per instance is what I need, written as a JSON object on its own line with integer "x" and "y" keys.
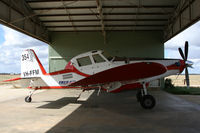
{"x": 60, "y": 87}
{"x": 54, "y": 87}
{"x": 74, "y": 70}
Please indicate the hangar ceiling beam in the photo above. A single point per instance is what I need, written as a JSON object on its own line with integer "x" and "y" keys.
{"x": 19, "y": 16}
{"x": 101, "y": 17}
{"x": 186, "y": 14}
{"x": 112, "y": 6}
{"x": 110, "y": 13}
{"x": 132, "y": 25}
{"x": 68, "y": 15}
{"x": 93, "y": 20}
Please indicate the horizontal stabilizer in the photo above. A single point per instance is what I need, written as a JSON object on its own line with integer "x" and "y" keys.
{"x": 8, "y": 80}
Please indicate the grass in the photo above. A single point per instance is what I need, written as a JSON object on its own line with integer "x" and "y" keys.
{"x": 184, "y": 90}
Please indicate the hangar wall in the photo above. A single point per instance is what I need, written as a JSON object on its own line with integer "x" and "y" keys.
{"x": 65, "y": 45}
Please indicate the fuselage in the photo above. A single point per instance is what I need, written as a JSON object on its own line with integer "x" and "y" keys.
{"x": 95, "y": 63}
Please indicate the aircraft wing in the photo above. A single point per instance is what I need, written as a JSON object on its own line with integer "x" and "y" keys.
{"x": 127, "y": 72}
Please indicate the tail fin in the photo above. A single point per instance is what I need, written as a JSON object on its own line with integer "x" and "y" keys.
{"x": 31, "y": 65}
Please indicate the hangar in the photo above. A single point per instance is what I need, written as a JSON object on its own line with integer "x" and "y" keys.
{"x": 120, "y": 27}
{"x": 130, "y": 28}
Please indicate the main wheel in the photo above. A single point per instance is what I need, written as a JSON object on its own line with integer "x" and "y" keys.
{"x": 148, "y": 102}
{"x": 28, "y": 99}
{"x": 139, "y": 95}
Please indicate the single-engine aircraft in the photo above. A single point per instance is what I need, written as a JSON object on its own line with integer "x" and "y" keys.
{"x": 92, "y": 70}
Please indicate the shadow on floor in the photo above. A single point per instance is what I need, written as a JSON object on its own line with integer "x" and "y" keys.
{"x": 58, "y": 103}
{"x": 119, "y": 113}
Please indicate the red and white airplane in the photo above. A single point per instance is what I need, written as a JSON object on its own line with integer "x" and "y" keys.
{"x": 93, "y": 70}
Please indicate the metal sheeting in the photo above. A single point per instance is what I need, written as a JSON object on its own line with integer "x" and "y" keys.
{"x": 37, "y": 17}
{"x": 186, "y": 14}
{"x": 113, "y": 15}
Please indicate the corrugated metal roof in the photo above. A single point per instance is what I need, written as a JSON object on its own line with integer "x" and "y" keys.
{"x": 103, "y": 15}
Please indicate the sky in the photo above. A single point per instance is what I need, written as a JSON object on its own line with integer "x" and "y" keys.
{"x": 12, "y": 43}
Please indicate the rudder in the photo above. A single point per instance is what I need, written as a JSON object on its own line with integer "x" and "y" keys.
{"x": 31, "y": 65}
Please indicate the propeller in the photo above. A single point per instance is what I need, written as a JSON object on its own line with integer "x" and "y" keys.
{"x": 187, "y": 63}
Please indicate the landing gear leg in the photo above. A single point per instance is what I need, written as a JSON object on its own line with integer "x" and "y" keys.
{"x": 146, "y": 101}
{"x": 28, "y": 99}
{"x": 139, "y": 95}
{"x": 99, "y": 90}
{"x": 80, "y": 94}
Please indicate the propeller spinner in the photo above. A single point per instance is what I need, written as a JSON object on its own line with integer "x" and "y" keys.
{"x": 187, "y": 63}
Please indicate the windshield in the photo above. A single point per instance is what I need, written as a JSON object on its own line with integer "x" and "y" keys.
{"x": 107, "y": 56}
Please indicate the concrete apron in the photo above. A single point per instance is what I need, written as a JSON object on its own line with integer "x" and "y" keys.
{"x": 61, "y": 111}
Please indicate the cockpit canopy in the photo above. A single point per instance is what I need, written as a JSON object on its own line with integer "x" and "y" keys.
{"x": 89, "y": 58}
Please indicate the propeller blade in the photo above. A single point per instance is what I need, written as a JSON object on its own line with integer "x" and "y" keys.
{"x": 181, "y": 53}
{"x": 191, "y": 67}
{"x": 187, "y": 77}
{"x": 189, "y": 63}
{"x": 186, "y": 50}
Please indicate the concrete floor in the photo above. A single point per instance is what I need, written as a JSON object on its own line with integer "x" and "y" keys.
{"x": 60, "y": 111}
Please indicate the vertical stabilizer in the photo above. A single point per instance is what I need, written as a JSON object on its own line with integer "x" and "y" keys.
{"x": 31, "y": 65}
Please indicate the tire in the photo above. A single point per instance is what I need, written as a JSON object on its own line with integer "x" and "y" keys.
{"x": 148, "y": 102}
{"x": 139, "y": 95}
{"x": 28, "y": 99}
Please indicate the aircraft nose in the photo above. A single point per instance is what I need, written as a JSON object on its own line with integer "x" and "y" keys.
{"x": 182, "y": 65}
